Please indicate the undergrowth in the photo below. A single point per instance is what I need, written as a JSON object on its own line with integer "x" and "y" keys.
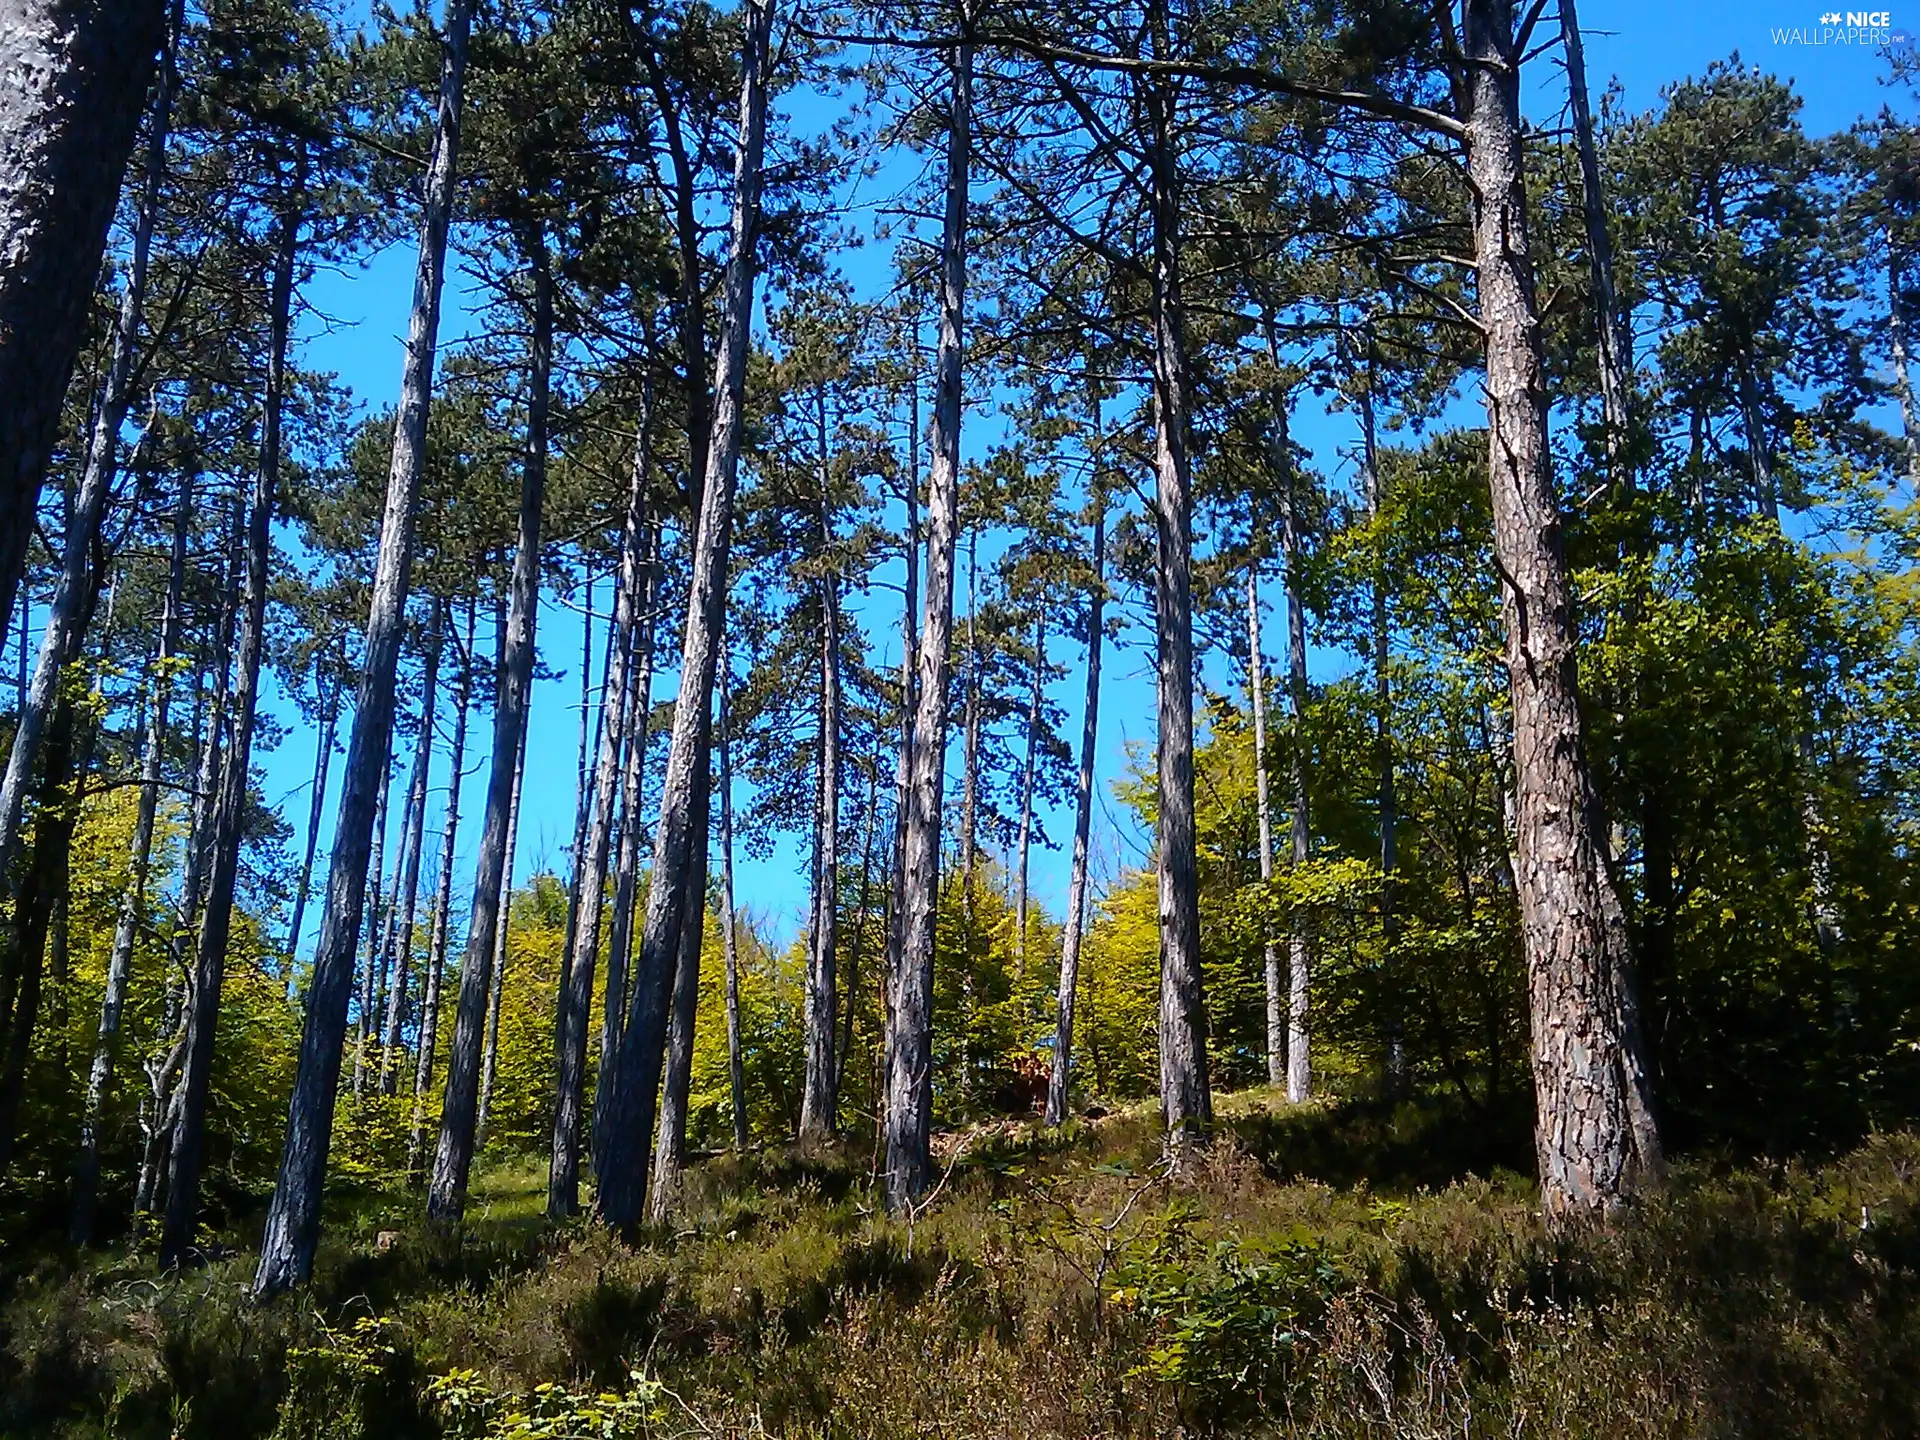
{"x": 1059, "y": 1286}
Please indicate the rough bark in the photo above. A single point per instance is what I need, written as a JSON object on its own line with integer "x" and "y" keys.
{"x": 293, "y": 1219}
{"x": 1059, "y": 1081}
{"x": 133, "y": 899}
{"x": 670, "y": 1143}
{"x": 77, "y": 73}
{"x": 464, "y": 1105}
{"x": 60, "y": 643}
{"x": 1186, "y": 1099}
{"x": 909, "y": 1089}
{"x": 679, "y": 849}
{"x": 576, "y": 998}
{"x": 1594, "y": 1133}
{"x": 903, "y": 770}
{"x": 216, "y": 920}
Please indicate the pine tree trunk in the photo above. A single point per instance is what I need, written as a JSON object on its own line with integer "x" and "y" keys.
{"x": 1594, "y": 1132}
{"x": 903, "y": 769}
{"x": 1029, "y": 774}
{"x": 133, "y": 900}
{"x": 1186, "y": 1099}
{"x": 1613, "y": 337}
{"x": 189, "y": 1136}
{"x": 729, "y": 936}
{"x": 576, "y": 1000}
{"x": 909, "y": 1091}
{"x": 396, "y": 964}
{"x": 329, "y": 697}
{"x": 1269, "y": 951}
{"x": 368, "y": 1025}
{"x": 1299, "y": 945}
{"x": 61, "y": 641}
{"x": 1058, "y": 1083}
{"x": 675, "y": 899}
{"x": 77, "y": 81}
{"x": 1371, "y": 483}
{"x": 442, "y": 905}
{"x": 454, "y": 1103}
{"x": 670, "y": 1145}
{"x": 818, "y": 1100}
{"x": 293, "y": 1219}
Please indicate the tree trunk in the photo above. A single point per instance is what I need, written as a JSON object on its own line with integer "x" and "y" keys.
{"x": 576, "y": 999}
{"x": 370, "y": 979}
{"x": 329, "y": 697}
{"x": 1594, "y": 1131}
{"x": 1613, "y": 337}
{"x": 626, "y": 884}
{"x": 818, "y": 1098}
{"x": 670, "y": 1145}
{"x": 1058, "y": 1082}
{"x": 1371, "y": 485}
{"x": 396, "y": 965}
{"x": 455, "y": 1103}
{"x": 442, "y": 905}
{"x": 1270, "y": 952}
{"x": 293, "y": 1220}
{"x": 133, "y": 900}
{"x": 903, "y": 770}
{"x": 189, "y": 1136}
{"x": 77, "y": 80}
{"x": 729, "y": 940}
{"x": 909, "y": 1097}
{"x": 1186, "y": 1099}
{"x": 856, "y": 951}
{"x": 35, "y": 52}
{"x": 674, "y": 899}
{"x": 1028, "y": 777}
{"x": 1299, "y": 945}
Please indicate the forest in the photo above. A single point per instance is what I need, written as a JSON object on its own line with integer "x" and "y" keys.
{"x": 1184, "y": 717}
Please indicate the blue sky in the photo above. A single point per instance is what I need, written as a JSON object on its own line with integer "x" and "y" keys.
{"x": 1642, "y": 45}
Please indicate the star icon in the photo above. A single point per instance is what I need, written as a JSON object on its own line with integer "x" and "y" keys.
{"x": 1832, "y": 17}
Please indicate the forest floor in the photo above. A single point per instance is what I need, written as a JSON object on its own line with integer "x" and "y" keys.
{"x": 1352, "y": 1269}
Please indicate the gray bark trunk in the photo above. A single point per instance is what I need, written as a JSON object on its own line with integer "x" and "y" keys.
{"x": 1186, "y": 1099}
{"x": 818, "y": 1099}
{"x": 903, "y": 770}
{"x": 674, "y": 899}
{"x": 1029, "y": 775}
{"x": 77, "y": 80}
{"x": 1594, "y": 1132}
{"x": 451, "y": 1174}
{"x": 189, "y": 1136}
{"x": 1612, "y": 335}
{"x": 1299, "y": 944}
{"x": 1059, "y": 1082}
{"x": 1269, "y": 951}
{"x": 133, "y": 900}
{"x": 909, "y": 1087}
{"x": 729, "y": 938}
{"x": 293, "y": 1219}
{"x": 60, "y": 643}
{"x": 396, "y": 963}
{"x": 442, "y": 905}
{"x": 576, "y": 999}
{"x": 368, "y": 1026}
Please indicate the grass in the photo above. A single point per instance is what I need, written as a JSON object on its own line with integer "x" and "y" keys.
{"x": 1061, "y": 1286}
